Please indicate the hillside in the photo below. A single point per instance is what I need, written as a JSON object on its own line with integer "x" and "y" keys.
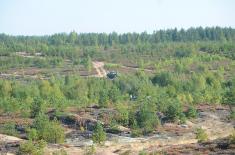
{"x": 97, "y": 93}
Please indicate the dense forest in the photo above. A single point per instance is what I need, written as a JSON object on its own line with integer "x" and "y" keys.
{"x": 175, "y": 70}
{"x": 81, "y": 47}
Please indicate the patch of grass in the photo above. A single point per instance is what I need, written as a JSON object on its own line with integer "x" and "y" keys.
{"x": 60, "y": 152}
{"x": 191, "y": 112}
{"x": 32, "y": 148}
{"x": 201, "y": 135}
{"x": 232, "y": 138}
{"x": 232, "y": 115}
{"x": 9, "y": 129}
{"x": 111, "y": 66}
{"x": 90, "y": 150}
{"x": 136, "y": 133}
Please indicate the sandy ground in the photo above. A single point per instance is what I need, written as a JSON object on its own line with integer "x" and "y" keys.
{"x": 99, "y": 67}
{"x": 9, "y": 139}
{"x": 212, "y": 122}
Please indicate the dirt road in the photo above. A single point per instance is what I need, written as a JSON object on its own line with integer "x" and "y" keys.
{"x": 99, "y": 67}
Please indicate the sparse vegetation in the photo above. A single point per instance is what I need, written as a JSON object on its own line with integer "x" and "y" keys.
{"x": 174, "y": 111}
{"x": 90, "y": 150}
{"x": 201, "y": 135}
{"x": 60, "y": 152}
{"x": 50, "y": 131}
{"x": 191, "y": 112}
{"x": 9, "y": 129}
{"x": 157, "y": 78}
{"x": 232, "y": 115}
{"x": 32, "y": 148}
{"x": 232, "y": 138}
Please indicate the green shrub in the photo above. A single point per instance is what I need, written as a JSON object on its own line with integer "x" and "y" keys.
{"x": 90, "y": 150}
{"x": 123, "y": 114}
{"x": 5, "y": 88}
{"x": 114, "y": 94}
{"x": 182, "y": 118}
{"x": 147, "y": 118}
{"x": 136, "y": 132}
{"x": 163, "y": 79}
{"x": 59, "y": 152}
{"x": 232, "y": 115}
{"x": 174, "y": 111}
{"x": 183, "y": 53}
{"x": 113, "y": 127}
{"x": 143, "y": 153}
{"x": 50, "y": 131}
{"x": 191, "y": 112}
{"x": 232, "y": 138}
{"x": 53, "y": 132}
{"x": 103, "y": 98}
{"x": 30, "y": 148}
{"x": 99, "y": 134}
{"x": 111, "y": 66}
{"x": 38, "y": 106}
{"x": 9, "y": 129}
{"x": 32, "y": 134}
{"x": 201, "y": 135}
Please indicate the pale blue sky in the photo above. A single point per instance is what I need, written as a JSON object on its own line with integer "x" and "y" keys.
{"x": 38, "y": 17}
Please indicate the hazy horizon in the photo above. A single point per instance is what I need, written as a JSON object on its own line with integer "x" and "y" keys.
{"x": 42, "y": 17}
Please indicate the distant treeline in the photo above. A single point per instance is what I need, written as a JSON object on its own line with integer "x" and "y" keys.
{"x": 104, "y": 39}
{"x": 81, "y": 47}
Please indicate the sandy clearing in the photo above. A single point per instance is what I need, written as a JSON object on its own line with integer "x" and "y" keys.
{"x": 99, "y": 67}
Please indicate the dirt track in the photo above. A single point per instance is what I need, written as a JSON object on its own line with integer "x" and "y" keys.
{"x": 101, "y": 72}
{"x": 99, "y": 67}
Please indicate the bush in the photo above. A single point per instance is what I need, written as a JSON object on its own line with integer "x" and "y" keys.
{"x": 232, "y": 138}
{"x": 123, "y": 114}
{"x": 5, "y": 89}
{"x": 163, "y": 79}
{"x": 147, "y": 118}
{"x": 182, "y": 54}
{"x": 174, "y": 111}
{"x": 32, "y": 134}
{"x": 50, "y": 131}
{"x": 103, "y": 98}
{"x": 111, "y": 66}
{"x": 182, "y": 118}
{"x": 113, "y": 127}
{"x": 114, "y": 94}
{"x": 191, "y": 112}
{"x": 99, "y": 134}
{"x": 59, "y": 152}
{"x": 30, "y": 148}
{"x": 38, "y": 106}
{"x": 201, "y": 135}
{"x": 232, "y": 115}
{"x": 53, "y": 132}
{"x": 9, "y": 129}
{"x": 90, "y": 150}
{"x": 143, "y": 153}
{"x": 136, "y": 133}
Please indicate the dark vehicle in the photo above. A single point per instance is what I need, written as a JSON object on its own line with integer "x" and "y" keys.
{"x": 112, "y": 75}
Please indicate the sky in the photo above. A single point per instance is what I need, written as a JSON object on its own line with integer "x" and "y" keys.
{"x": 45, "y": 17}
